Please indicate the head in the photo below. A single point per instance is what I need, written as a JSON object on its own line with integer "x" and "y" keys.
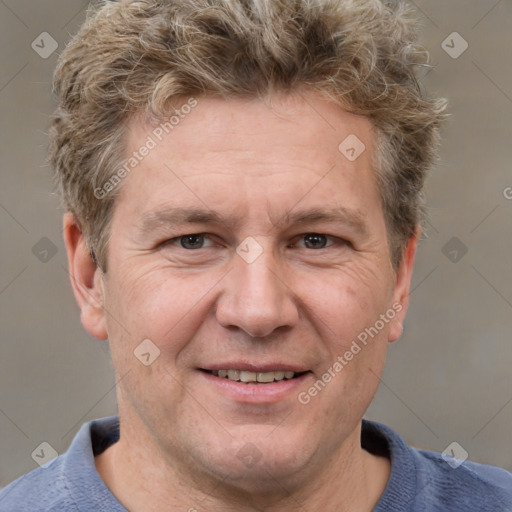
{"x": 147, "y": 56}
{"x": 265, "y": 95}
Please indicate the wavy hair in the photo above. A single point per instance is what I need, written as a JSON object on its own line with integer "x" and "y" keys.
{"x": 140, "y": 56}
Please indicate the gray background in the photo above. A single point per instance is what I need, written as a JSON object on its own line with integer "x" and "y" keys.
{"x": 448, "y": 378}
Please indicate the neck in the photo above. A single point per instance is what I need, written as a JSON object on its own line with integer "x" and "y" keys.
{"x": 141, "y": 479}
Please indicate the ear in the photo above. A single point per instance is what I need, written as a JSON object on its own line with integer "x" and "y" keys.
{"x": 86, "y": 279}
{"x": 402, "y": 288}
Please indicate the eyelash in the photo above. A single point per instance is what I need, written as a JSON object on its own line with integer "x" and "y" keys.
{"x": 177, "y": 240}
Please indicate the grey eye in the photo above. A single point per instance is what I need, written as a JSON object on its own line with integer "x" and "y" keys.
{"x": 192, "y": 241}
{"x": 315, "y": 241}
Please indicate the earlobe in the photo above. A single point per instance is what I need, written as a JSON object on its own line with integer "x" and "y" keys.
{"x": 86, "y": 279}
{"x": 402, "y": 289}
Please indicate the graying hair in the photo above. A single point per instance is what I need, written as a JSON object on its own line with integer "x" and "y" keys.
{"x": 140, "y": 56}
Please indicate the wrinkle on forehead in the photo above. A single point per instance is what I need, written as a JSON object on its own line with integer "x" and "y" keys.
{"x": 232, "y": 154}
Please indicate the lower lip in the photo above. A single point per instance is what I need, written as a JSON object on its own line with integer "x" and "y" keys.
{"x": 257, "y": 393}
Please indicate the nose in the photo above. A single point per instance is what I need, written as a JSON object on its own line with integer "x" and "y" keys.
{"x": 256, "y": 298}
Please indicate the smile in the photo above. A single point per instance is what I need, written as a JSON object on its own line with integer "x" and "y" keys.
{"x": 259, "y": 377}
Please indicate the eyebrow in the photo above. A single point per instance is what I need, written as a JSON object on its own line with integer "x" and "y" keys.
{"x": 170, "y": 216}
{"x": 355, "y": 219}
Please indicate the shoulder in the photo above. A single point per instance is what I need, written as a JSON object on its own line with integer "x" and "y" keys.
{"x": 426, "y": 481}
{"x": 467, "y": 485}
{"x": 69, "y": 482}
{"x": 43, "y": 489}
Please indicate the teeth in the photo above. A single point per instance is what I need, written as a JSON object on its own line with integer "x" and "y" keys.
{"x": 265, "y": 377}
{"x": 248, "y": 376}
{"x": 245, "y": 376}
{"x": 232, "y": 374}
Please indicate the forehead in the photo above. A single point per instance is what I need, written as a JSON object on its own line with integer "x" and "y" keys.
{"x": 227, "y": 153}
{"x": 269, "y": 126}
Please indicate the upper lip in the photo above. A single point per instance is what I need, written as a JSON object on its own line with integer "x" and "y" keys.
{"x": 255, "y": 367}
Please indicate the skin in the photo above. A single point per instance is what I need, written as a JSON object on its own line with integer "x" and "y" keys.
{"x": 252, "y": 162}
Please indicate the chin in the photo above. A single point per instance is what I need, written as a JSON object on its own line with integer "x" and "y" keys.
{"x": 261, "y": 461}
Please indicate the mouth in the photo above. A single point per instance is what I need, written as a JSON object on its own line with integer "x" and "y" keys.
{"x": 255, "y": 377}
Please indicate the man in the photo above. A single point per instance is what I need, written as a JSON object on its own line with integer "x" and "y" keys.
{"x": 242, "y": 182}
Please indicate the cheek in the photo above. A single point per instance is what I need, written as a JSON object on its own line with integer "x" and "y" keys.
{"x": 159, "y": 305}
{"x": 346, "y": 302}
{"x": 348, "y": 317}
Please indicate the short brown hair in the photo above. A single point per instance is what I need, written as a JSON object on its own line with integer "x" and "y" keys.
{"x": 136, "y": 56}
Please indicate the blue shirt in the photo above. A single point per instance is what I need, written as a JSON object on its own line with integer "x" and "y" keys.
{"x": 420, "y": 481}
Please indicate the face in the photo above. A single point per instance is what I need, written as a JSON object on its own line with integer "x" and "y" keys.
{"x": 247, "y": 241}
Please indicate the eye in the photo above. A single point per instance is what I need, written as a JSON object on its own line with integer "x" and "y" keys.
{"x": 190, "y": 242}
{"x": 315, "y": 240}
